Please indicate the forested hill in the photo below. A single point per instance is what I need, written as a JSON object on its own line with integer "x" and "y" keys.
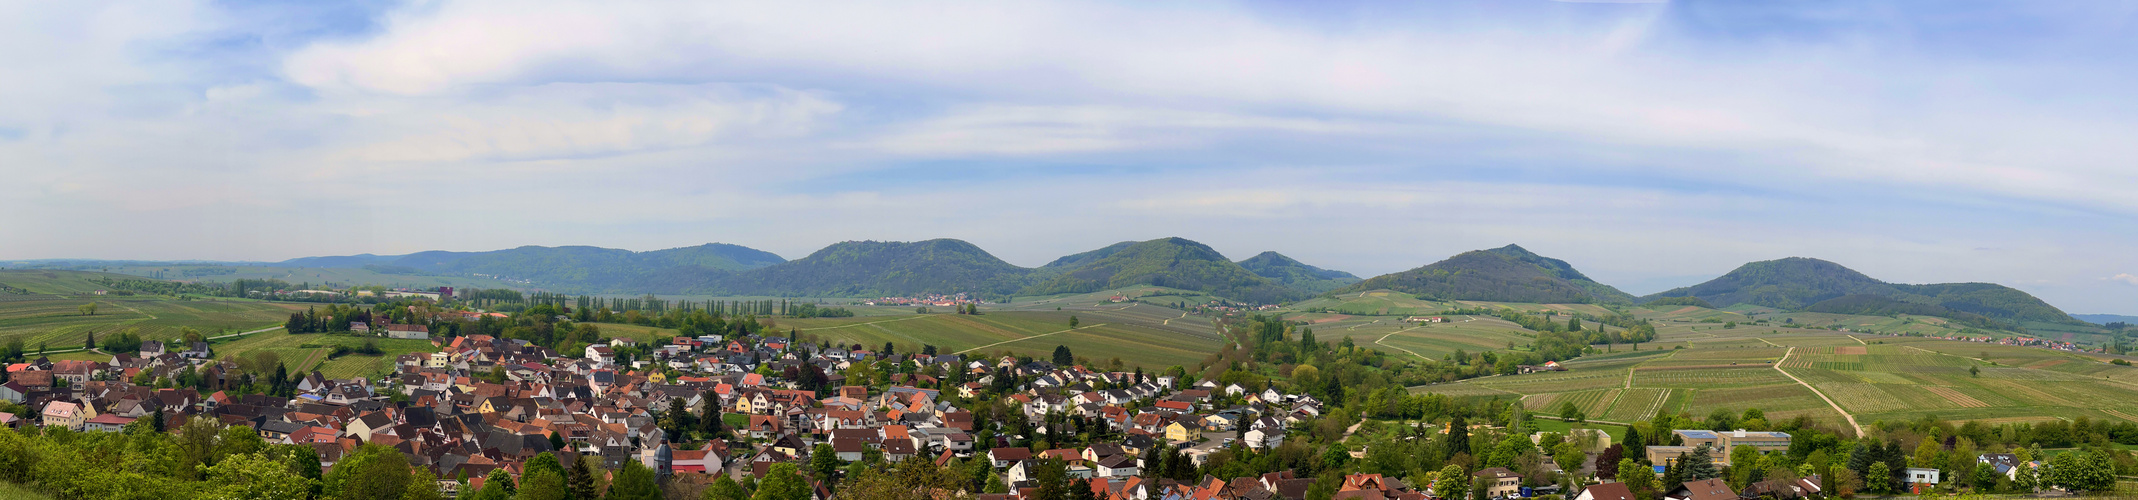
{"x": 867, "y": 268}
{"x": 1297, "y": 275}
{"x": 1798, "y": 283}
{"x": 1169, "y": 262}
{"x": 567, "y": 268}
{"x": 1073, "y": 261}
{"x": 1505, "y": 274}
{"x": 1562, "y": 270}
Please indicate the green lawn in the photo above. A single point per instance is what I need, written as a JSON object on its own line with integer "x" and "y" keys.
{"x": 19, "y": 492}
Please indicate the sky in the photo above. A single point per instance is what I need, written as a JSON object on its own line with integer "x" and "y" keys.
{"x": 1650, "y": 144}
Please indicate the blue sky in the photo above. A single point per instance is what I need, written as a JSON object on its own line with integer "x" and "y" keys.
{"x": 1651, "y": 144}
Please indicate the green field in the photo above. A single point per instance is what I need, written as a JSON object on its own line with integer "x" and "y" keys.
{"x": 309, "y": 351}
{"x": 59, "y": 322}
{"x": 1873, "y": 377}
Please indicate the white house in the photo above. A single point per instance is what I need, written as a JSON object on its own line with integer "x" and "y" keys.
{"x": 418, "y": 332}
{"x": 1264, "y": 438}
{"x": 601, "y": 353}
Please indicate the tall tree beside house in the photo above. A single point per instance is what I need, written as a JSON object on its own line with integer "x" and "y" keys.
{"x": 543, "y": 484}
{"x": 677, "y": 420}
{"x": 1062, "y": 356}
{"x": 726, "y": 488}
{"x": 581, "y": 481}
{"x": 1637, "y": 480}
{"x": 824, "y": 462}
{"x": 1701, "y": 465}
{"x": 1052, "y": 477}
{"x": 709, "y": 418}
{"x": 783, "y": 482}
{"x": 371, "y": 472}
{"x": 1607, "y": 462}
{"x": 1458, "y": 437}
{"x": 1635, "y": 445}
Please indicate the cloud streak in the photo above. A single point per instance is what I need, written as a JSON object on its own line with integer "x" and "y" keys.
{"x": 1639, "y": 141}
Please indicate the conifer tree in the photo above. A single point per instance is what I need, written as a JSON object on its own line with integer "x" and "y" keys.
{"x": 1701, "y": 465}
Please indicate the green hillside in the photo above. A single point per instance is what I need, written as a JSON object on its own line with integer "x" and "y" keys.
{"x": 1798, "y": 283}
{"x": 1506, "y": 274}
{"x": 1562, "y": 270}
{"x": 1791, "y": 283}
{"x": 1078, "y": 260}
{"x": 582, "y": 269}
{"x": 1168, "y": 262}
{"x": 1299, "y": 276}
{"x": 865, "y": 268}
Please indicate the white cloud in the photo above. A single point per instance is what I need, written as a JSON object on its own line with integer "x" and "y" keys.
{"x": 573, "y": 120}
{"x": 2125, "y": 278}
{"x": 1373, "y": 144}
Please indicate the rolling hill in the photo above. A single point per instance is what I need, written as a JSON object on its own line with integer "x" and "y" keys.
{"x": 1296, "y": 275}
{"x": 1798, "y": 283}
{"x": 1169, "y": 262}
{"x": 583, "y": 269}
{"x": 1506, "y": 274}
{"x": 865, "y": 268}
{"x": 2103, "y": 319}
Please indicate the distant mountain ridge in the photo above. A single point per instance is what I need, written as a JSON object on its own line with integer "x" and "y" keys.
{"x": 1169, "y": 262}
{"x": 1297, "y": 275}
{"x": 583, "y": 269}
{"x": 1799, "y": 283}
{"x": 871, "y": 268}
{"x": 1506, "y": 274}
{"x": 2103, "y": 319}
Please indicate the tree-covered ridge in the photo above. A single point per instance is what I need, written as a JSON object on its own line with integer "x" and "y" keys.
{"x": 1987, "y": 299}
{"x": 572, "y": 268}
{"x": 1169, "y": 262}
{"x": 1562, "y": 270}
{"x": 1489, "y": 275}
{"x": 1874, "y": 305}
{"x": 1680, "y": 301}
{"x": 1077, "y": 260}
{"x": 1299, "y": 276}
{"x": 863, "y": 268}
{"x": 1791, "y": 283}
{"x": 1798, "y": 283}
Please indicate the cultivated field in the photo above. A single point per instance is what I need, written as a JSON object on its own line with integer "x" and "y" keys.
{"x": 59, "y": 322}
{"x": 1872, "y": 377}
{"x": 309, "y": 351}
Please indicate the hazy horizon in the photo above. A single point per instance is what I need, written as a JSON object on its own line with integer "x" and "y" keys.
{"x": 1650, "y": 144}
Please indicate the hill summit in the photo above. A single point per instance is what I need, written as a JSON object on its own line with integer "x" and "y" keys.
{"x": 1296, "y": 275}
{"x": 1506, "y": 274}
{"x": 862, "y": 268}
{"x": 1168, "y": 262}
{"x": 1799, "y": 283}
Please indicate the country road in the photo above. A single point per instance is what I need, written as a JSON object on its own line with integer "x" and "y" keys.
{"x": 241, "y": 334}
{"x": 1852, "y": 425}
{"x": 1028, "y": 338}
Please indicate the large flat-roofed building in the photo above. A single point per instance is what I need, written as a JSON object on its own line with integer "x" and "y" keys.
{"x": 1719, "y": 444}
